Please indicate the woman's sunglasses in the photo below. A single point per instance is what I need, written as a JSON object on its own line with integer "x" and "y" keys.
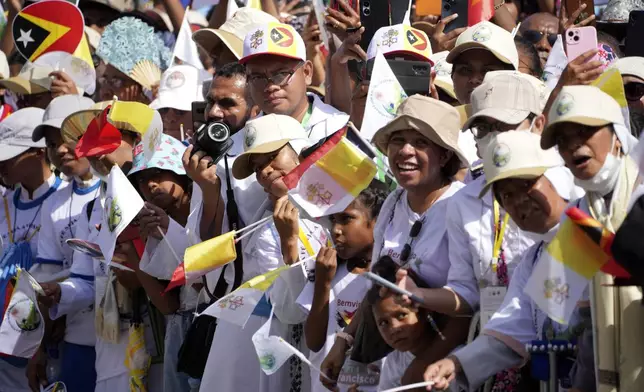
{"x": 634, "y": 91}
{"x": 534, "y": 36}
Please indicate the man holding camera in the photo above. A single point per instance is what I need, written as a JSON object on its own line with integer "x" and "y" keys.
{"x": 278, "y": 74}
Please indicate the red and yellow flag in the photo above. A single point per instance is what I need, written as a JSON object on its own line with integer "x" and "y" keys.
{"x": 48, "y": 26}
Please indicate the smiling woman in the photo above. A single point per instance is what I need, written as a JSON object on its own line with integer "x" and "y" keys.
{"x": 421, "y": 144}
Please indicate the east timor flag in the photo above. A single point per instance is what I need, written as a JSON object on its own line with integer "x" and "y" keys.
{"x": 48, "y": 26}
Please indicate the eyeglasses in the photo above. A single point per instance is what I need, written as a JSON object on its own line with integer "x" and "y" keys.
{"x": 634, "y": 91}
{"x": 534, "y": 36}
{"x": 413, "y": 233}
{"x": 482, "y": 129}
{"x": 280, "y": 79}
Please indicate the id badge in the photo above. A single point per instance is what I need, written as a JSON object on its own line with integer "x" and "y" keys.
{"x": 491, "y": 300}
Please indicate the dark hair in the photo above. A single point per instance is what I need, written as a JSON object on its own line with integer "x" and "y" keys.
{"x": 603, "y": 37}
{"x": 386, "y": 268}
{"x": 373, "y": 197}
{"x": 451, "y": 167}
{"x": 528, "y": 49}
{"x": 230, "y": 70}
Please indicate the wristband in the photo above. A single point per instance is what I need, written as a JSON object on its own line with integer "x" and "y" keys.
{"x": 346, "y": 337}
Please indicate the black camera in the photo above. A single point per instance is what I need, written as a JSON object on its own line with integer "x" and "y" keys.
{"x": 214, "y": 139}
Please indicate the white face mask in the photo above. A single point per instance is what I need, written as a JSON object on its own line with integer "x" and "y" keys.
{"x": 606, "y": 178}
{"x": 481, "y": 144}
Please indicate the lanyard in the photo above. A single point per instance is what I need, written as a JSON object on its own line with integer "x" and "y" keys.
{"x": 307, "y": 116}
{"x": 499, "y": 232}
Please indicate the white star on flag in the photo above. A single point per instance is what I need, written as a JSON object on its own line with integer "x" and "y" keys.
{"x": 25, "y": 37}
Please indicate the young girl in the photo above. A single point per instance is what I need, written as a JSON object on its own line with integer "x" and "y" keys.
{"x": 406, "y": 329}
{"x": 167, "y": 190}
{"x": 272, "y": 144}
{"x": 335, "y": 294}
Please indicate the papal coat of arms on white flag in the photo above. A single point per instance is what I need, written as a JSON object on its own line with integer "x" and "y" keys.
{"x": 384, "y": 96}
{"x": 121, "y": 203}
{"x": 22, "y": 326}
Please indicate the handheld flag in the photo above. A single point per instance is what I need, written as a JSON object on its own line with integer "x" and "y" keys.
{"x": 331, "y": 177}
{"x": 600, "y": 236}
{"x": 120, "y": 206}
{"x": 204, "y": 257}
{"x": 237, "y": 307}
{"x": 611, "y": 83}
{"x": 48, "y": 26}
{"x": 383, "y": 98}
{"x": 140, "y": 118}
{"x": 563, "y": 271}
{"x": 100, "y": 138}
{"x": 479, "y": 11}
{"x": 22, "y": 327}
{"x": 185, "y": 49}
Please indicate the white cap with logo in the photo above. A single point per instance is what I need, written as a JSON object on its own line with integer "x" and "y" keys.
{"x": 516, "y": 154}
{"x": 506, "y": 96}
{"x": 585, "y": 105}
{"x": 180, "y": 87}
{"x": 488, "y": 36}
{"x": 16, "y": 132}
{"x": 267, "y": 134}
{"x": 400, "y": 39}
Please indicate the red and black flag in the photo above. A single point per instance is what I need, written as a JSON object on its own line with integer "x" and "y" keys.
{"x": 48, "y": 26}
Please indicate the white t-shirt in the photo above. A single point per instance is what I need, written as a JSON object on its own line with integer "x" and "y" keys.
{"x": 347, "y": 293}
{"x": 59, "y": 218}
{"x": 24, "y": 214}
{"x": 396, "y": 363}
{"x": 430, "y": 252}
{"x": 470, "y": 232}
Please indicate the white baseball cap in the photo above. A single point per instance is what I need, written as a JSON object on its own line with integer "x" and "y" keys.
{"x": 585, "y": 105}
{"x": 274, "y": 38}
{"x": 516, "y": 154}
{"x": 488, "y": 36}
{"x": 443, "y": 69}
{"x": 505, "y": 96}
{"x": 57, "y": 110}
{"x": 633, "y": 66}
{"x": 16, "y": 132}
{"x": 233, "y": 31}
{"x": 180, "y": 87}
{"x": 266, "y": 134}
{"x": 400, "y": 39}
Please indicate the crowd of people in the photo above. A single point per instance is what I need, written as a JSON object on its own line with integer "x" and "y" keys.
{"x": 475, "y": 174}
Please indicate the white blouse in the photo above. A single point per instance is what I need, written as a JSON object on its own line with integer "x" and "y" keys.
{"x": 429, "y": 252}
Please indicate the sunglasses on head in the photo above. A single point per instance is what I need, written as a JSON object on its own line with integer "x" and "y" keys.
{"x": 634, "y": 91}
{"x": 534, "y": 36}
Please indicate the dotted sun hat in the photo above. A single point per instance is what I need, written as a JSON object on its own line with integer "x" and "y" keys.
{"x": 130, "y": 45}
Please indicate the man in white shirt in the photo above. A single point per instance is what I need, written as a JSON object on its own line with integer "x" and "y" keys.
{"x": 278, "y": 74}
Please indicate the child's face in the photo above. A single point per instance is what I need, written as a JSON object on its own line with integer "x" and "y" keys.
{"x": 399, "y": 326}
{"x": 271, "y": 167}
{"x": 352, "y": 230}
{"x": 160, "y": 187}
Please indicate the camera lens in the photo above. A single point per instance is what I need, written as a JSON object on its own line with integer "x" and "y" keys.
{"x": 366, "y": 4}
{"x": 366, "y": 11}
{"x": 218, "y": 132}
{"x": 576, "y": 38}
{"x": 571, "y": 33}
{"x": 447, "y": 6}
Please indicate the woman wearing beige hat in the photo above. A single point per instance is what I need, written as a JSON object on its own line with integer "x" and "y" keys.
{"x": 421, "y": 143}
{"x": 588, "y": 127}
